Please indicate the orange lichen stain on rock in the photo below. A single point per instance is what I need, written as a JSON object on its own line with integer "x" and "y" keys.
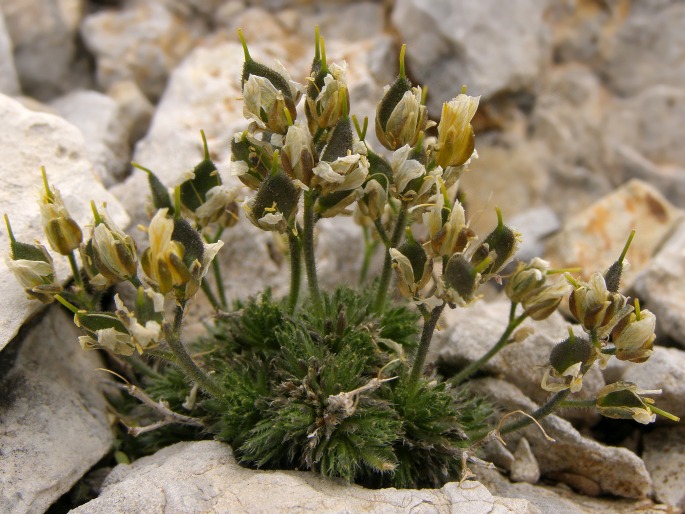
{"x": 656, "y": 208}
{"x": 597, "y": 225}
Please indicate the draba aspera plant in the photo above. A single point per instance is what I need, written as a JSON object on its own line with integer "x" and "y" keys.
{"x": 334, "y": 382}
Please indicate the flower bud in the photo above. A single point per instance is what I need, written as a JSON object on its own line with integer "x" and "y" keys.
{"x": 32, "y": 266}
{"x": 373, "y": 200}
{"x": 105, "y": 331}
{"x": 63, "y": 233}
{"x": 503, "y": 241}
{"x": 447, "y": 228}
{"x": 456, "y": 139}
{"x": 327, "y": 98}
{"x": 567, "y": 360}
{"x": 145, "y": 324}
{"x": 412, "y": 266}
{"x": 296, "y": 155}
{"x": 595, "y": 307}
{"x": 275, "y": 204}
{"x": 267, "y": 92}
{"x": 634, "y": 335}
{"x": 220, "y": 207}
{"x": 112, "y": 251}
{"x": 623, "y": 400}
{"x": 332, "y": 204}
{"x": 251, "y": 159}
{"x": 343, "y": 174}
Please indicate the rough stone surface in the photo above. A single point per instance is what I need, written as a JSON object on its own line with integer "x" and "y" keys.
{"x": 662, "y": 286}
{"x": 525, "y": 467}
{"x": 134, "y": 108}
{"x": 648, "y": 48}
{"x": 9, "y": 82}
{"x": 43, "y": 34}
{"x": 472, "y": 331}
{"x": 571, "y": 458}
{"x": 560, "y": 498}
{"x": 99, "y": 119}
{"x": 142, "y": 42}
{"x": 534, "y": 225}
{"x": 664, "y": 456}
{"x": 204, "y": 477}
{"x": 664, "y": 370}
{"x": 53, "y": 423}
{"x": 497, "y": 47}
{"x": 28, "y": 140}
{"x": 594, "y": 238}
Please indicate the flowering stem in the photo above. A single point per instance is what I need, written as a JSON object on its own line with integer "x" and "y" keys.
{"x": 577, "y": 404}
{"x": 308, "y": 248}
{"x": 387, "y": 264}
{"x": 426, "y": 336}
{"x": 210, "y": 295}
{"x": 381, "y": 232}
{"x": 75, "y": 271}
{"x": 545, "y": 410}
{"x": 216, "y": 269}
{"x": 469, "y": 370}
{"x": 183, "y": 358}
{"x": 370, "y": 247}
{"x": 295, "y": 271}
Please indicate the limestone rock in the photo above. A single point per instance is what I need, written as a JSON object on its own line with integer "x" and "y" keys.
{"x": 662, "y": 286}
{"x": 28, "y": 140}
{"x": 134, "y": 108}
{"x": 594, "y": 238}
{"x": 9, "y": 82}
{"x": 350, "y": 21}
{"x": 499, "y": 46}
{"x": 664, "y": 370}
{"x": 525, "y": 467}
{"x": 142, "y": 42}
{"x": 664, "y": 456}
{"x": 560, "y": 498}
{"x": 43, "y": 34}
{"x": 605, "y": 469}
{"x": 534, "y": 225}
{"x": 99, "y": 119}
{"x": 53, "y": 422}
{"x": 204, "y": 477}
{"x": 471, "y": 332}
{"x": 650, "y": 29}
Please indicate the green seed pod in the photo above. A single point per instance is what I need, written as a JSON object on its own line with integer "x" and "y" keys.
{"x": 159, "y": 192}
{"x": 205, "y": 177}
{"x": 503, "y": 241}
{"x": 193, "y": 246}
{"x": 340, "y": 141}
{"x": 461, "y": 276}
{"x": 570, "y": 351}
{"x": 275, "y": 203}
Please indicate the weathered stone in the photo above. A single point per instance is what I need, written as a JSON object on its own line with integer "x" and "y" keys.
{"x": 29, "y": 140}
{"x": 662, "y": 286}
{"x": 53, "y": 421}
{"x": 650, "y": 29}
{"x": 525, "y": 466}
{"x": 43, "y": 35}
{"x": 134, "y": 108}
{"x": 594, "y": 238}
{"x": 347, "y": 21}
{"x": 99, "y": 119}
{"x": 142, "y": 42}
{"x": 472, "y": 331}
{"x": 615, "y": 471}
{"x": 664, "y": 370}
{"x": 9, "y": 82}
{"x": 204, "y": 477}
{"x": 560, "y": 498}
{"x": 664, "y": 456}
{"x": 445, "y": 48}
{"x": 534, "y": 225}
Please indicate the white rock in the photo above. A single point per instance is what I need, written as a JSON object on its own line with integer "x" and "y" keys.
{"x": 142, "y": 42}
{"x": 534, "y": 225}
{"x": 594, "y": 238}
{"x": 471, "y": 332}
{"x": 525, "y": 467}
{"x": 571, "y": 458}
{"x": 664, "y": 370}
{"x": 28, "y": 140}
{"x": 135, "y": 109}
{"x": 43, "y": 34}
{"x": 489, "y": 46}
{"x": 99, "y": 119}
{"x": 632, "y": 66}
{"x": 204, "y": 477}
{"x": 662, "y": 286}
{"x": 345, "y": 21}
{"x": 9, "y": 82}
{"x": 664, "y": 456}
{"x": 53, "y": 421}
